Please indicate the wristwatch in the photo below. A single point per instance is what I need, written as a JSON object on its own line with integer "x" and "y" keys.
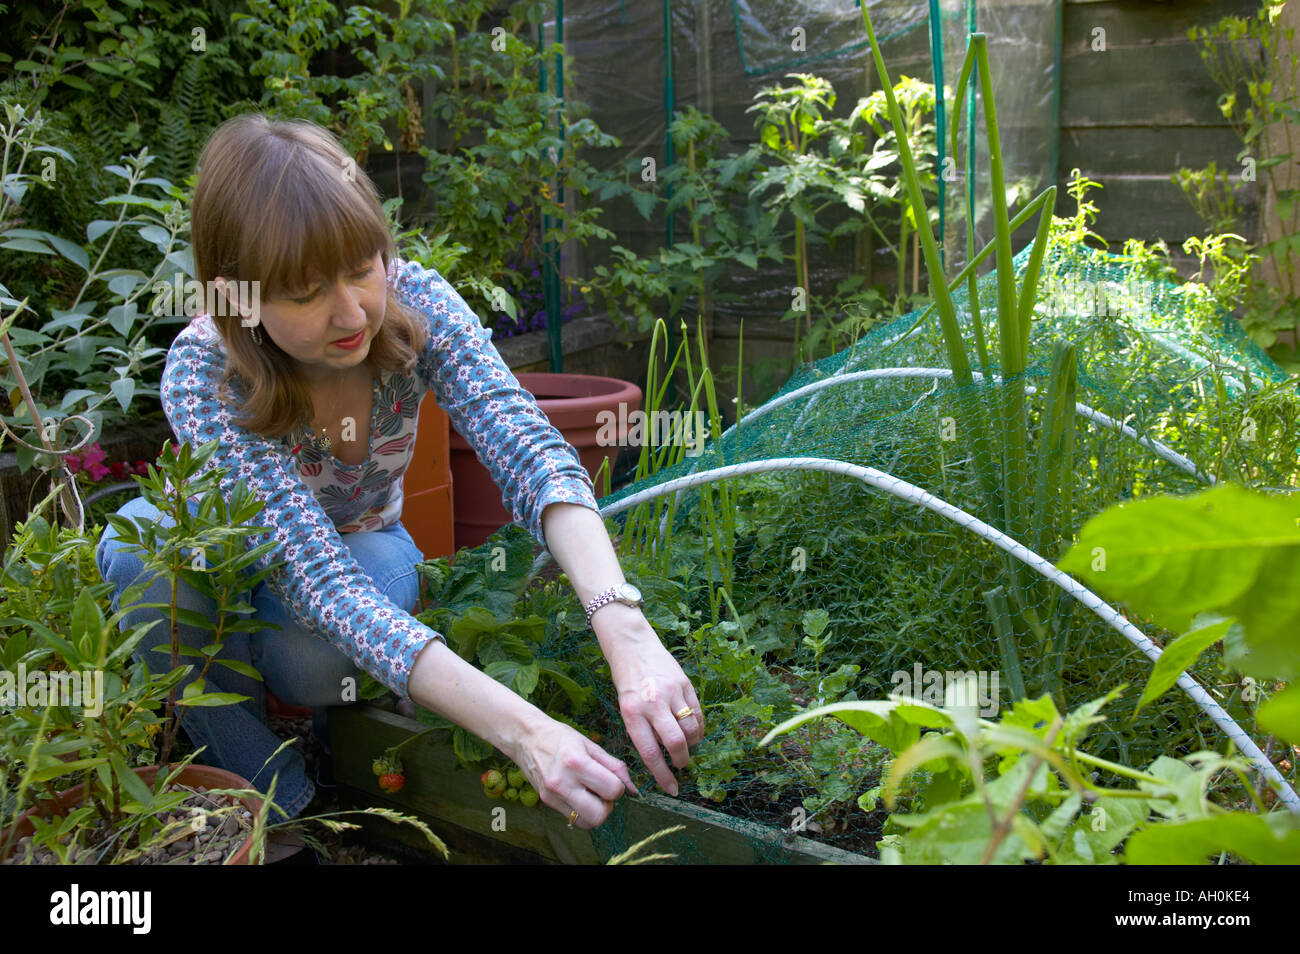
{"x": 623, "y": 593}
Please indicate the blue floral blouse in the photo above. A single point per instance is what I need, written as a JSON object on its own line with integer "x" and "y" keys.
{"x": 310, "y": 498}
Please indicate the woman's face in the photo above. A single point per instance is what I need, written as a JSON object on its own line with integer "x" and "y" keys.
{"x": 328, "y": 328}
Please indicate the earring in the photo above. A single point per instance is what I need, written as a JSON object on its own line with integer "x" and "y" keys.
{"x": 255, "y": 334}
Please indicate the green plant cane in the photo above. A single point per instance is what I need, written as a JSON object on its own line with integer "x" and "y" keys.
{"x": 1007, "y": 491}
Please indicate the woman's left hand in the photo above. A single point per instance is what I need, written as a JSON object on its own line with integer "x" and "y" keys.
{"x": 652, "y": 691}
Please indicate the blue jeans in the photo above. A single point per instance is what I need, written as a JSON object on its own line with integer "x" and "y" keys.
{"x": 296, "y": 665}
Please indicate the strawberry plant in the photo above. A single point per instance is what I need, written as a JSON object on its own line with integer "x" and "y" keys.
{"x": 479, "y": 605}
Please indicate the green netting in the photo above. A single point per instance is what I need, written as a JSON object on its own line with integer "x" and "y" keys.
{"x": 784, "y": 589}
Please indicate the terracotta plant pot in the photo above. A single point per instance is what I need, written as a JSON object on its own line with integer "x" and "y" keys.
{"x": 193, "y": 775}
{"x": 571, "y": 402}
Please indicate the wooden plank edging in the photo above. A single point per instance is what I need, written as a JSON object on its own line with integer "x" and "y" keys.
{"x": 360, "y": 733}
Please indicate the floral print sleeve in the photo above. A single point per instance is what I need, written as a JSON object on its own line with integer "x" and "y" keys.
{"x": 309, "y": 498}
{"x": 527, "y": 457}
{"x": 321, "y": 586}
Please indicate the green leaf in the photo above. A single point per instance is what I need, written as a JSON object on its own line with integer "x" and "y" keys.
{"x": 130, "y": 783}
{"x": 957, "y": 833}
{"x": 242, "y": 668}
{"x": 894, "y": 724}
{"x": 27, "y": 245}
{"x": 1281, "y": 715}
{"x": 1054, "y": 827}
{"x": 815, "y": 621}
{"x": 934, "y": 747}
{"x": 73, "y": 397}
{"x": 80, "y": 353}
{"x": 121, "y": 318}
{"x": 15, "y": 189}
{"x": 644, "y": 202}
{"x": 156, "y": 236}
{"x": 212, "y": 699}
{"x": 1179, "y": 655}
{"x": 76, "y": 82}
{"x": 498, "y": 647}
{"x": 65, "y": 319}
{"x": 60, "y": 768}
{"x": 468, "y": 747}
{"x": 469, "y": 628}
{"x": 521, "y": 677}
{"x": 124, "y": 283}
{"x": 1095, "y": 833}
{"x": 87, "y": 618}
{"x": 71, "y": 251}
{"x": 1262, "y": 840}
{"x": 577, "y": 694}
{"x": 65, "y": 648}
{"x": 1221, "y": 551}
{"x": 1185, "y": 781}
{"x": 123, "y": 389}
{"x": 97, "y": 228}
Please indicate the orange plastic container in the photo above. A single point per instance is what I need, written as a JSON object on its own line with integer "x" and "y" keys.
{"x": 427, "y": 504}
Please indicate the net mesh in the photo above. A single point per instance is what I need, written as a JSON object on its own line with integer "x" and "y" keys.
{"x": 783, "y": 589}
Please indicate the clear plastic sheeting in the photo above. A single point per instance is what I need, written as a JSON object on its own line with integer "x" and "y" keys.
{"x": 769, "y": 40}
{"x": 1023, "y": 54}
{"x": 722, "y": 52}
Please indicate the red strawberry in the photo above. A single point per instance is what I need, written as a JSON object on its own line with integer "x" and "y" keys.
{"x": 392, "y": 782}
{"x": 494, "y": 783}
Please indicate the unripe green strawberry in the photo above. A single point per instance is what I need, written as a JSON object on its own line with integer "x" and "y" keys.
{"x": 388, "y": 763}
{"x": 516, "y": 778}
{"x": 528, "y": 796}
{"x": 512, "y": 794}
{"x": 494, "y": 783}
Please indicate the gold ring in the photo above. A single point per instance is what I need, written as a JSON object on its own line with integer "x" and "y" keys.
{"x": 573, "y": 817}
{"x": 684, "y": 712}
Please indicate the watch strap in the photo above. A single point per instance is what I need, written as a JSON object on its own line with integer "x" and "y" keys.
{"x": 601, "y": 599}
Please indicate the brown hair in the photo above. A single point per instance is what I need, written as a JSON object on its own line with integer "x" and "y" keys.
{"x": 274, "y": 201}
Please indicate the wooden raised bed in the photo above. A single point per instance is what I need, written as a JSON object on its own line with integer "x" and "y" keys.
{"x": 451, "y": 802}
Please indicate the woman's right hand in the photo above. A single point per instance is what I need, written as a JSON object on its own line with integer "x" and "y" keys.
{"x": 569, "y": 771}
{"x": 572, "y": 773}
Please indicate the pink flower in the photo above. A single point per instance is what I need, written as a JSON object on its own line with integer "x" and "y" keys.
{"x": 92, "y": 460}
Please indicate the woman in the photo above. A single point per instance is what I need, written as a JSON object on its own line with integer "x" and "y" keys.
{"x": 311, "y": 380}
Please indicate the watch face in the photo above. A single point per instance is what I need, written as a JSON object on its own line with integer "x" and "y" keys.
{"x": 630, "y": 592}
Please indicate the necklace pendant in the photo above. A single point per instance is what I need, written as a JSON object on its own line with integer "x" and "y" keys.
{"x": 323, "y": 443}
